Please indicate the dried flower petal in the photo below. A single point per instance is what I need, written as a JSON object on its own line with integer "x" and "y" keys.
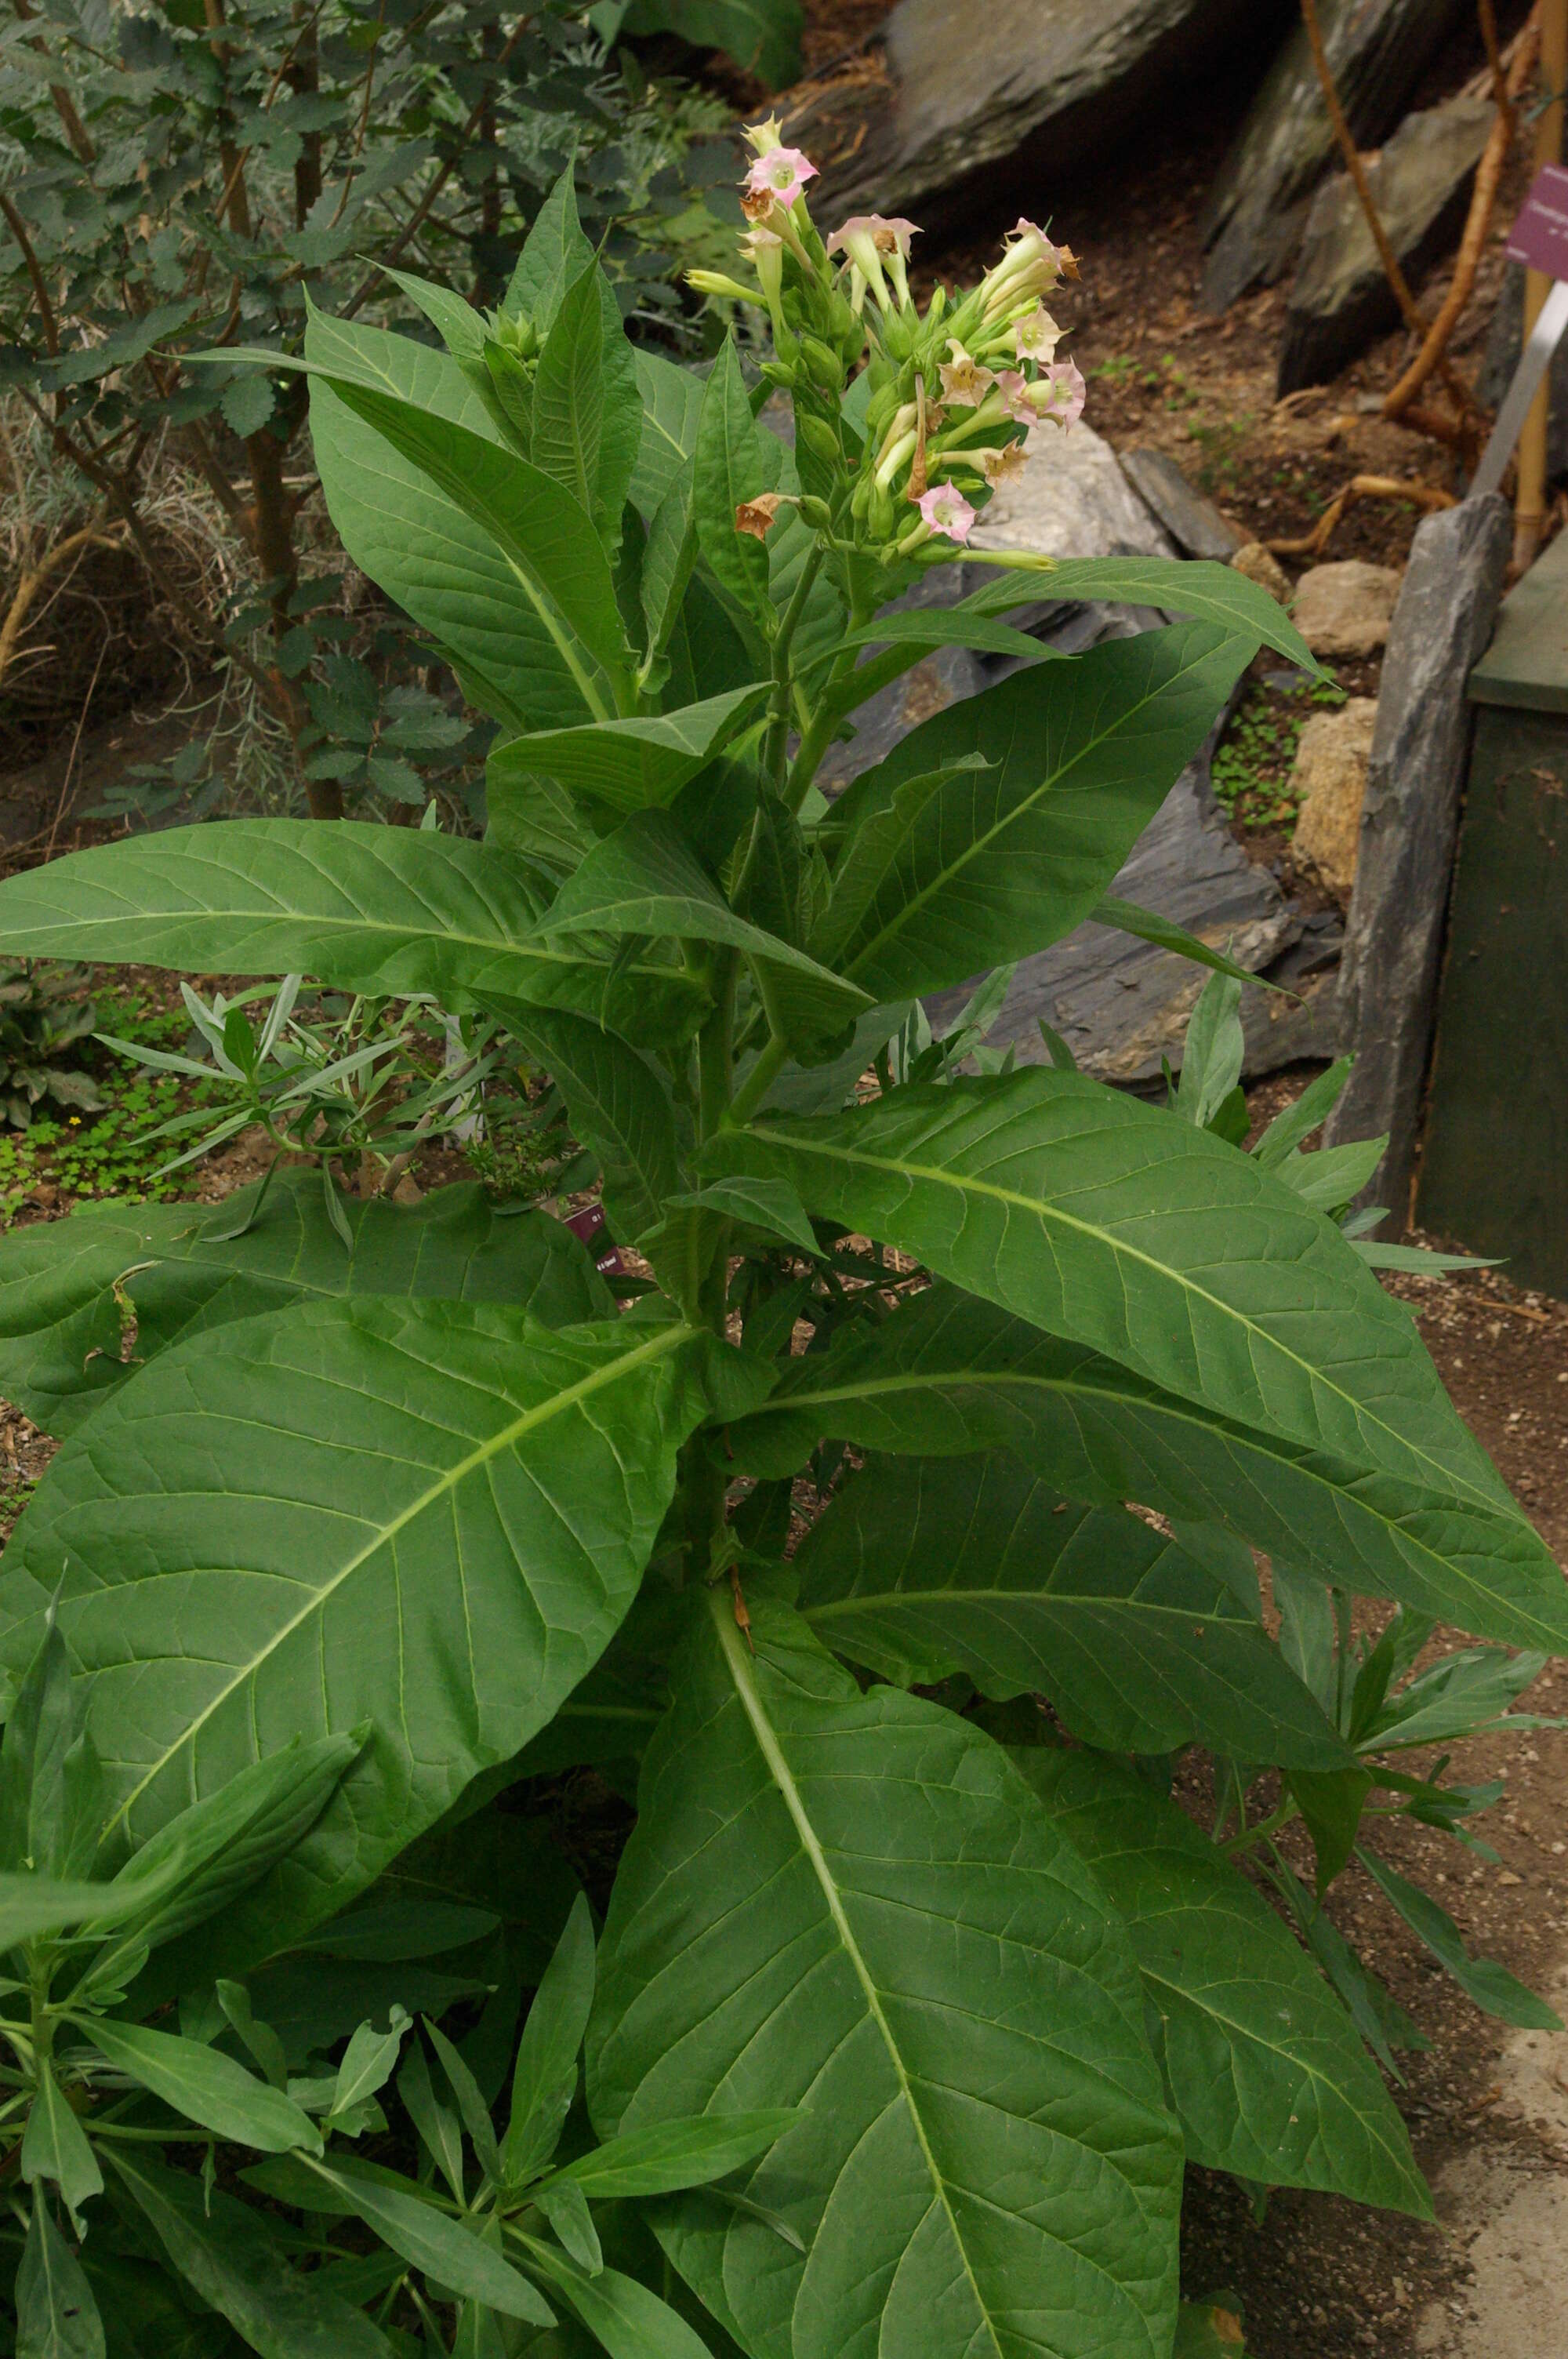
{"x": 754, "y": 517}
{"x": 963, "y": 378}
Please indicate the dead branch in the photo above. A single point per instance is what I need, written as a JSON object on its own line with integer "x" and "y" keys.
{"x": 1360, "y": 488}
{"x": 1473, "y": 244}
{"x": 64, "y": 552}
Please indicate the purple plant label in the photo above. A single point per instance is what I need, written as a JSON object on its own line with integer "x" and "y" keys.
{"x": 1540, "y": 234}
{"x": 586, "y": 1225}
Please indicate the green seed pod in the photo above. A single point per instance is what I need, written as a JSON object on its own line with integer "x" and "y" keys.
{"x": 882, "y": 514}
{"x": 817, "y": 513}
{"x": 819, "y": 438}
{"x": 779, "y": 372}
{"x": 823, "y": 365}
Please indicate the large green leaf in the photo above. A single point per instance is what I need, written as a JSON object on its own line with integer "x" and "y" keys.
{"x": 1111, "y": 1224}
{"x": 57, "y": 2317}
{"x": 1002, "y": 860}
{"x": 555, "y": 255}
{"x": 442, "y": 567}
{"x": 735, "y": 461}
{"x": 852, "y": 1902}
{"x": 618, "y": 1106}
{"x": 430, "y": 1517}
{"x": 556, "y": 558}
{"x": 629, "y": 765}
{"x": 68, "y": 1290}
{"x": 588, "y": 414}
{"x": 948, "y": 1373}
{"x": 1208, "y": 592}
{"x": 672, "y": 405}
{"x": 645, "y": 880}
{"x": 370, "y": 909}
{"x": 923, "y": 1568}
{"x": 1267, "y": 2073}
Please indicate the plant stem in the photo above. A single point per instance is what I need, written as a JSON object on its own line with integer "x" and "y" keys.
{"x": 778, "y": 727}
{"x": 1262, "y": 1830}
{"x": 758, "y": 1083}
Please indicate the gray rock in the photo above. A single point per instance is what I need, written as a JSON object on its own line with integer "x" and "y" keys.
{"x": 1072, "y": 500}
{"x": 1193, "y": 523}
{"x": 1422, "y": 181}
{"x": 1394, "y": 935}
{"x": 1041, "y": 86}
{"x": 1379, "y": 49}
{"x": 1505, "y": 342}
{"x": 1346, "y": 608}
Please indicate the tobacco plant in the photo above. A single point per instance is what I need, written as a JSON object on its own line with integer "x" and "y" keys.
{"x": 884, "y": 1515}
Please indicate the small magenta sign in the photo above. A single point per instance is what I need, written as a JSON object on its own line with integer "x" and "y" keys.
{"x": 1540, "y": 234}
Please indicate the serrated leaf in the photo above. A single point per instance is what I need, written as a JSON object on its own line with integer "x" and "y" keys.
{"x": 393, "y": 1480}
{"x": 881, "y": 1923}
{"x": 1268, "y": 2075}
{"x": 920, "y": 1569}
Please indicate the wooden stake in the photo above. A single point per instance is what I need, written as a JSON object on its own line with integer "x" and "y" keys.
{"x": 1529, "y": 515}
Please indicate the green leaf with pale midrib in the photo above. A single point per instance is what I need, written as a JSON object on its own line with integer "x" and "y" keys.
{"x": 1100, "y": 1220}
{"x": 950, "y": 1374}
{"x": 1270, "y": 2078}
{"x": 429, "y": 1517}
{"x": 974, "y": 1565}
{"x": 376, "y": 908}
{"x": 1000, "y": 863}
{"x": 877, "y": 1924}
{"x": 60, "y": 1317}
{"x": 629, "y": 765}
{"x": 439, "y": 565}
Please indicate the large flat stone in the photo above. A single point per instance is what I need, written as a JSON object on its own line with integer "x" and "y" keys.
{"x": 1379, "y": 49}
{"x": 1072, "y": 500}
{"x": 1409, "y": 821}
{"x": 1193, "y": 522}
{"x": 1422, "y": 181}
{"x": 950, "y": 100}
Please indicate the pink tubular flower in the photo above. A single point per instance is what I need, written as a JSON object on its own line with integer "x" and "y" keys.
{"x": 947, "y": 511}
{"x": 781, "y": 174}
{"x": 963, "y": 378}
{"x": 878, "y": 235}
{"x": 1036, "y": 336}
{"x": 1059, "y": 393}
{"x": 1014, "y": 388}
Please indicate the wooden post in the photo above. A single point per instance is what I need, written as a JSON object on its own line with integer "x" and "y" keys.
{"x": 1530, "y": 517}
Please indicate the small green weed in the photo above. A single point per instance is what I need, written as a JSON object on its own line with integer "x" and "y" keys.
{"x": 112, "y": 1153}
{"x": 1252, "y": 768}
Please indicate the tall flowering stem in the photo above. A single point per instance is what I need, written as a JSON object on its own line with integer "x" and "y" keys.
{"x": 955, "y": 393}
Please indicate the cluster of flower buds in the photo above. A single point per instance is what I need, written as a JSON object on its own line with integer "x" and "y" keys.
{"x": 952, "y": 392}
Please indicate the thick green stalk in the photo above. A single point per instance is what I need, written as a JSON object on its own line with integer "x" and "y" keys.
{"x": 784, "y": 682}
